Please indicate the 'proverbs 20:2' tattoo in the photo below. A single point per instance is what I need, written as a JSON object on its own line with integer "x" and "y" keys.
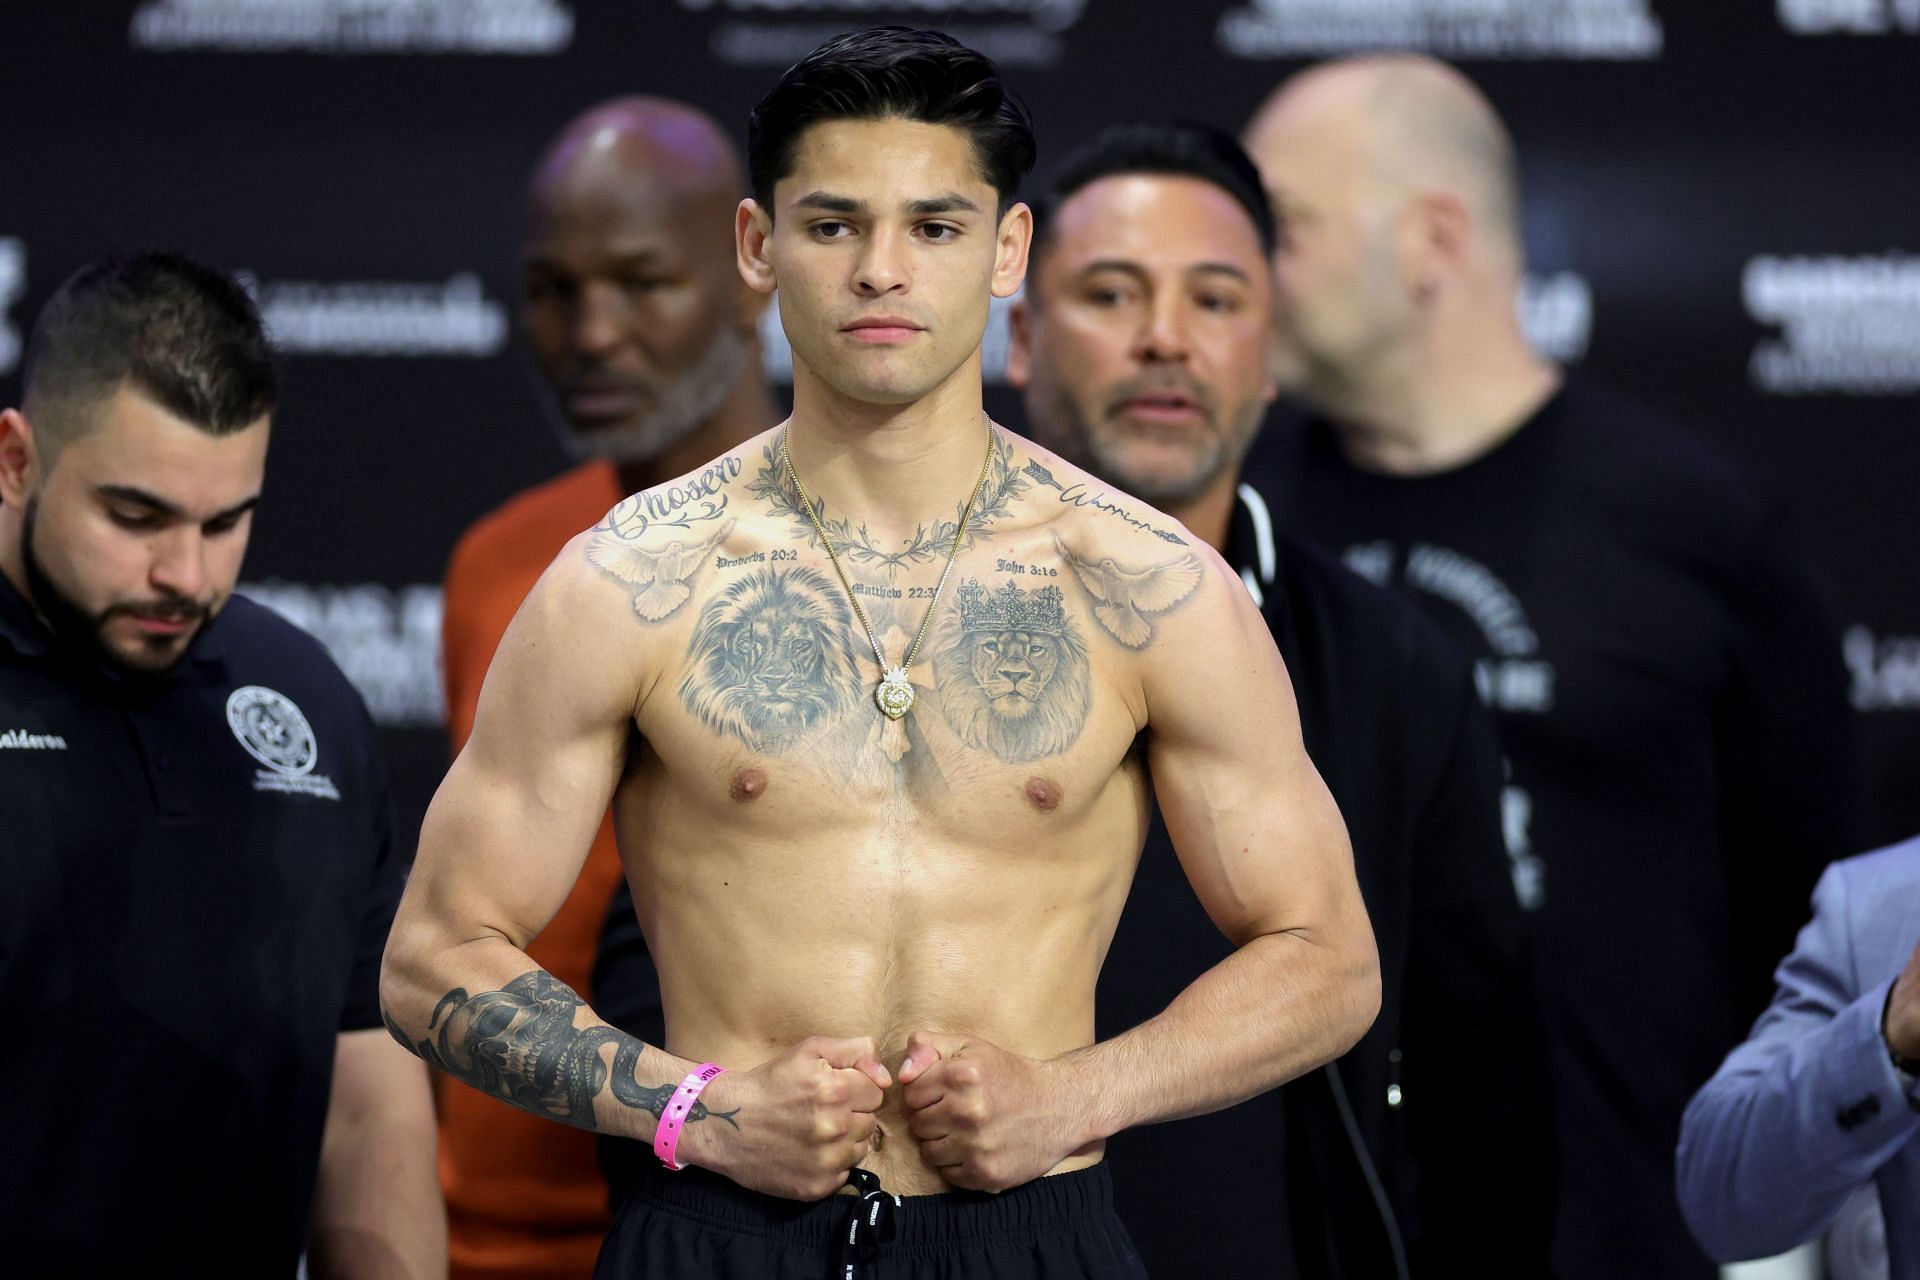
{"x": 520, "y": 1045}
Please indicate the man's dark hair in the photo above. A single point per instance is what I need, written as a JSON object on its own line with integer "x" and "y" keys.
{"x": 1181, "y": 149}
{"x": 186, "y": 336}
{"x": 893, "y": 73}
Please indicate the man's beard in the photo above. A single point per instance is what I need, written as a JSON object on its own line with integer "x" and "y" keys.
{"x": 85, "y": 632}
{"x": 684, "y": 405}
{"x": 1105, "y": 453}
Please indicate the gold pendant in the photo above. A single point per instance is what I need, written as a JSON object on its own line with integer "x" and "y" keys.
{"x": 895, "y": 694}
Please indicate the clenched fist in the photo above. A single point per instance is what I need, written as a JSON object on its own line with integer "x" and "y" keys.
{"x": 805, "y": 1118}
{"x": 988, "y": 1119}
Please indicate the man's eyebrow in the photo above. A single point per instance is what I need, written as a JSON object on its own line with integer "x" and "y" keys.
{"x": 830, "y": 203}
{"x": 160, "y": 506}
{"x": 1131, "y": 268}
{"x": 951, "y": 202}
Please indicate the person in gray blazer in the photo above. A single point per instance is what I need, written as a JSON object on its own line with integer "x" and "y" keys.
{"x": 1821, "y": 1099}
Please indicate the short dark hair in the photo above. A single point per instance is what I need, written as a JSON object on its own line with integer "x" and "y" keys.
{"x": 184, "y": 335}
{"x": 893, "y": 72}
{"x": 1178, "y": 148}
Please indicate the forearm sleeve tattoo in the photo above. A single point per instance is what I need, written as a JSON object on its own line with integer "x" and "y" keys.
{"x": 520, "y": 1045}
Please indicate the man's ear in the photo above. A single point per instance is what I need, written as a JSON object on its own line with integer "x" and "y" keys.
{"x": 1438, "y": 241}
{"x": 1020, "y": 344}
{"x": 20, "y": 465}
{"x": 752, "y": 231}
{"x": 1010, "y": 254}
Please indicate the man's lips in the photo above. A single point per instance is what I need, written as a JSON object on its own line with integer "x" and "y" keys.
{"x": 592, "y": 400}
{"x": 1162, "y": 406}
{"x": 163, "y": 624}
{"x": 881, "y": 329}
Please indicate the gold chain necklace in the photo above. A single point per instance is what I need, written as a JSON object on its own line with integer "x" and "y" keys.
{"x": 895, "y": 695}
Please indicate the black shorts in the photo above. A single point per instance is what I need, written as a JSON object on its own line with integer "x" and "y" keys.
{"x": 696, "y": 1225}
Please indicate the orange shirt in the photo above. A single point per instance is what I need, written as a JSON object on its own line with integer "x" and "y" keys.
{"x": 525, "y": 1197}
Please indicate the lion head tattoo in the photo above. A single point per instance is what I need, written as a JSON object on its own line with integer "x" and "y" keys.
{"x": 769, "y": 660}
{"x": 1013, "y": 673}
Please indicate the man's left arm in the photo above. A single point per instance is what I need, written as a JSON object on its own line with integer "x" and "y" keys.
{"x": 1266, "y": 852}
{"x": 377, "y": 1208}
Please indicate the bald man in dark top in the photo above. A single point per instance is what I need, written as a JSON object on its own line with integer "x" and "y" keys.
{"x": 646, "y": 343}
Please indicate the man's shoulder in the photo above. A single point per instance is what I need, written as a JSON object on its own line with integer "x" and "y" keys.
{"x": 1092, "y": 516}
{"x": 547, "y": 514}
{"x": 1650, "y": 458}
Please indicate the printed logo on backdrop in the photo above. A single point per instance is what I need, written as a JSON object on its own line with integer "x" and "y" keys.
{"x": 386, "y": 641}
{"x": 13, "y": 284}
{"x": 1848, "y": 325}
{"x": 502, "y": 27}
{"x": 777, "y": 352}
{"x": 1597, "y": 30}
{"x": 1516, "y": 678}
{"x": 1850, "y": 17}
{"x": 275, "y": 732}
{"x": 1556, "y": 311}
{"x": 1885, "y": 670}
{"x": 778, "y": 33}
{"x": 381, "y": 318}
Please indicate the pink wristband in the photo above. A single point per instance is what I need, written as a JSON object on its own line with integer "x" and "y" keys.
{"x": 666, "y": 1134}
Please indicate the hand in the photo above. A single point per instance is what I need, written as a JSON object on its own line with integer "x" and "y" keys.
{"x": 805, "y": 1118}
{"x": 1902, "y": 1027}
{"x": 987, "y": 1119}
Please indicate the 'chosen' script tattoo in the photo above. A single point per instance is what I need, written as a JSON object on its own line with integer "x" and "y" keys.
{"x": 768, "y": 663}
{"x": 677, "y": 506}
{"x": 520, "y": 1045}
{"x": 1078, "y": 495}
{"x": 1012, "y": 671}
{"x": 1124, "y": 596}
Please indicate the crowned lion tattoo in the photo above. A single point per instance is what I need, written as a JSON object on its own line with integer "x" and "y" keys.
{"x": 1012, "y": 672}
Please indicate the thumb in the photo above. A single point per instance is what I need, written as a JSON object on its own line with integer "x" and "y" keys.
{"x": 924, "y": 1048}
{"x": 856, "y": 1053}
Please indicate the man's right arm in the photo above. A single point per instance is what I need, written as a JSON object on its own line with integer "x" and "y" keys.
{"x": 1802, "y": 1114}
{"x": 504, "y": 841}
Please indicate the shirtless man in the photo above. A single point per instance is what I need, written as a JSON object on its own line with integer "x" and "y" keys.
{"x": 886, "y": 929}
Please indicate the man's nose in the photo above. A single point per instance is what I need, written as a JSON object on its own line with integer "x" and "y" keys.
{"x": 882, "y": 267}
{"x": 179, "y": 564}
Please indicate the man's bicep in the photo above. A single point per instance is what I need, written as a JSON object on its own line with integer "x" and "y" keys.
{"x": 1254, "y": 826}
{"x": 507, "y": 832}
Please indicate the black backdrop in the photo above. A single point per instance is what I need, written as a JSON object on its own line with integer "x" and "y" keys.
{"x": 1721, "y": 219}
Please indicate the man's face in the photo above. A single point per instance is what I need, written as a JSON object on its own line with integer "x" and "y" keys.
{"x": 886, "y": 251}
{"x": 631, "y": 309}
{"x": 1340, "y": 295}
{"x": 1143, "y": 350}
{"x": 133, "y": 539}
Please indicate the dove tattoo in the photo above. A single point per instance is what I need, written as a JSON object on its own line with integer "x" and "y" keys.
{"x": 660, "y": 576}
{"x": 1125, "y": 597}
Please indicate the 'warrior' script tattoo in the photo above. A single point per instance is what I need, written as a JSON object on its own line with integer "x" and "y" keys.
{"x": 1078, "y": 495}
{"x": 929, "y": 542}
{"x": 1125, "y": 596}
{"x": 1012, "y": 671}
{"x": 520, "y": 1045}
{"x": 769, "y": 663}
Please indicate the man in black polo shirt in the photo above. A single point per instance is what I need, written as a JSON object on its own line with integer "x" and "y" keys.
{"x": 193, "y": 834}
{"x": 1141, "y": 347}
{"x": 1669, "y": 692}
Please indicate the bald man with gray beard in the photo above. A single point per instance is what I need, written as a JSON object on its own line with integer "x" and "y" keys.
{"x": 645, "y": 342}
{"x": 1669, "y": 690}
